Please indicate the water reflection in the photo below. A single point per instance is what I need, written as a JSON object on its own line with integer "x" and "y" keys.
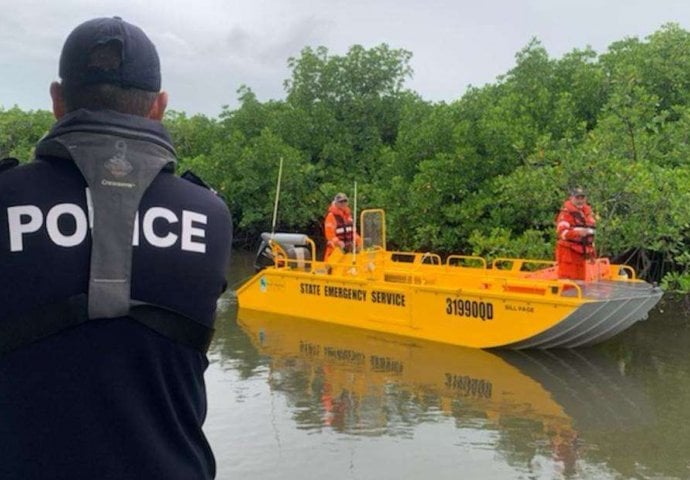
{"x": 364, "y": 383}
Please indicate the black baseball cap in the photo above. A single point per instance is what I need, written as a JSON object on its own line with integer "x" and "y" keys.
{"x": 139, "y": 68}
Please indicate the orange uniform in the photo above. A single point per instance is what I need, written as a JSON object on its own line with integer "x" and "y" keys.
{"x": 339, "y": 228}
{"x": 575, "y": 229}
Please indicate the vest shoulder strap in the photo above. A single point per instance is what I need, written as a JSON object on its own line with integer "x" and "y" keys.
{"x": 173, "y": 325}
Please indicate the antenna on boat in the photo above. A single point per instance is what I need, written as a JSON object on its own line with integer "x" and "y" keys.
{"x": 354, "y": 230}
{"x": 275, "y": 205}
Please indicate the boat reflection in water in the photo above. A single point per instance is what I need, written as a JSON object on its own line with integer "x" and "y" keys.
{"x": 367, "y": 383}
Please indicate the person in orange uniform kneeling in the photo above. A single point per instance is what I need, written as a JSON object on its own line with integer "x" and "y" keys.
{"x": 339, "y": 226}
{"x": 575, "y": 231}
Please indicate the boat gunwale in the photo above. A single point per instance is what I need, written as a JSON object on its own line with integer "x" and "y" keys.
{"x": 480, "y": 293}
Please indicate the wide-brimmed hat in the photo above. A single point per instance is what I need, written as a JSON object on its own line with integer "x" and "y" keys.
{"x": 340, "y": 198}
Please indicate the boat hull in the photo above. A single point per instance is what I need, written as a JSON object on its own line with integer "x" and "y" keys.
{"x": 467, "y": 317}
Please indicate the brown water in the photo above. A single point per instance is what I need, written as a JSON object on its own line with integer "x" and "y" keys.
{"x": 305, "y": 400}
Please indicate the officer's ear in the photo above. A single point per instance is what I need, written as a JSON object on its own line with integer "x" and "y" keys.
{"x": 158, "y": 107}
{"x": 58, "y": 100}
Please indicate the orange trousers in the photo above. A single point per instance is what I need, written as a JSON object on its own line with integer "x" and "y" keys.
{"x": 571, "y": 264}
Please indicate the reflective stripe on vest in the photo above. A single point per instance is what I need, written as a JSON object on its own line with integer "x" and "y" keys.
{"x": 344, "y": 229}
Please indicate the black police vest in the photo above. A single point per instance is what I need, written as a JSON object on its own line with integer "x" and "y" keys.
{"x": 116, "y": 188}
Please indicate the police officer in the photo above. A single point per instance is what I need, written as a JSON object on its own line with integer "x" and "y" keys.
{"x": 110, "y": 269}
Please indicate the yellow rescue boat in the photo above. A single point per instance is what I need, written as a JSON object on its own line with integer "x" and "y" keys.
{"x": 511, "y": 303}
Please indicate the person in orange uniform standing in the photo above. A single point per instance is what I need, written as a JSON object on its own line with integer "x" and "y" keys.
{"x": 575, "y": 231}
{"x": 339, "y": 226}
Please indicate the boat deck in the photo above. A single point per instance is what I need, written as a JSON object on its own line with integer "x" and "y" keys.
{"x": 615, "y": 290}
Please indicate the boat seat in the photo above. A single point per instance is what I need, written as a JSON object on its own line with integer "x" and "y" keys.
{"x": 299, "y": 257}
{"x": 295, "y": 246}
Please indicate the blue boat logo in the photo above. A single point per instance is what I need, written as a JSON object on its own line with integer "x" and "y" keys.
{"x": 263, "y": 284}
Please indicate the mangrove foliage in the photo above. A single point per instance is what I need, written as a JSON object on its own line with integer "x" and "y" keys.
{"x": 484, "y": 174}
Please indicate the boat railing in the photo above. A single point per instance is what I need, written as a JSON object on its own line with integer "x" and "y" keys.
{"x": 625, "y": 271}
{"x": 567, "y": 287}
{"x": 520, "y": 265}
{"x": 298, "y": 258}
{"x": 466, "y": 261}
{"x": 428, "y": 258}
{"x": 407, "y": 267}
{"x": 492, "y": 282}
{"x": 367, "y": 264}
{"x": 554, "y": 288}
{"x": 425, "y": 269}
{"x": 414, "y": 258}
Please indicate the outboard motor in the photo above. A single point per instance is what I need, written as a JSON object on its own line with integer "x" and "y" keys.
{"x": 296, "y": 247}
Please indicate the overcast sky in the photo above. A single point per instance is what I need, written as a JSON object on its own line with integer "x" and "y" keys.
{"x": 209, "y": 48}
